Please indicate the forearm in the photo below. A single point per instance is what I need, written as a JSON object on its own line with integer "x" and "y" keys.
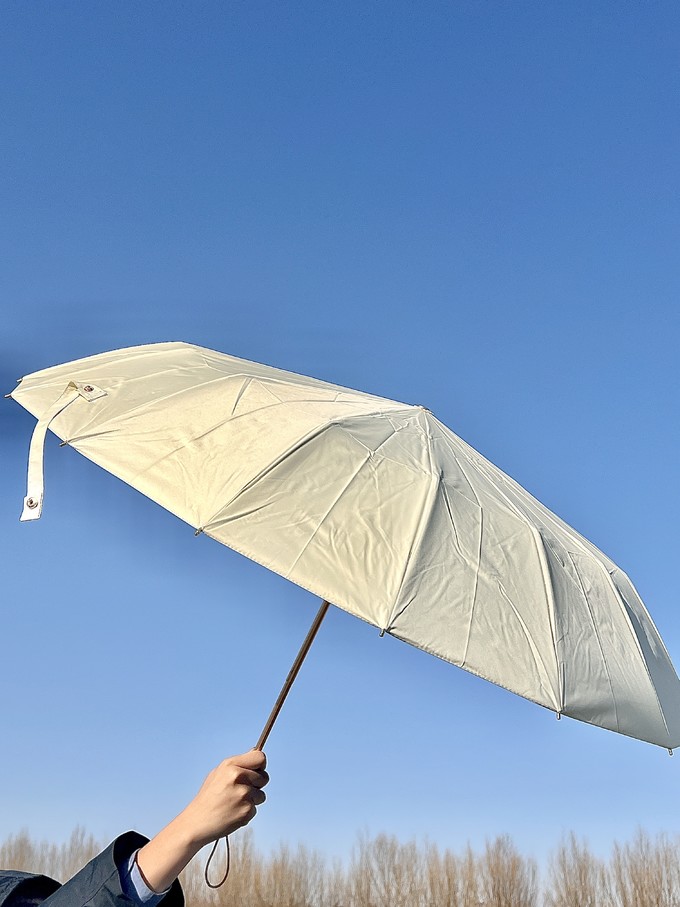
{"x": 165, "y": 856}
{"x": 227, "y": 800}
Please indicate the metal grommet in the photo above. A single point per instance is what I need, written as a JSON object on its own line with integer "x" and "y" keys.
{"x": 32, "y": 503}
{"x": 88, "y": 388}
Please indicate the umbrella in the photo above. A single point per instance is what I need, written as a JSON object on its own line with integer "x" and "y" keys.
{"x": 377, "y": 507}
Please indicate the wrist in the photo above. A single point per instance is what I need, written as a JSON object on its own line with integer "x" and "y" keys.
{"x": 166, "y": 855}
{"x": 190, "y": 831}
{"x": 185, "y": 833}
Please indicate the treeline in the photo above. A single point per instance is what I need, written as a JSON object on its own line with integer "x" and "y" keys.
{"x": 384, "y": 872}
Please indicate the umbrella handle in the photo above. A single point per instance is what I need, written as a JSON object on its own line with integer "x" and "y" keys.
{"x": 273, "y": 715}
{"x": 292, "y": 674}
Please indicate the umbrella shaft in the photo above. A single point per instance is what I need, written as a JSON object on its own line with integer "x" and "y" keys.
{"x": 292, "y": 674}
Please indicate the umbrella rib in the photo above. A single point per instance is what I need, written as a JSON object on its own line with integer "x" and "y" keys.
{"x": 476, "y": 588}
{"x": 547, "y": 585}
{"x": 532, "y": 645}
{"x": 593, "y": 552}
{"x": 479, "y": 559}
{"x": 597, "y": 637}
{"x": 624, "y": 610}
{"x": 241, "y": 391}
{"x": 552, "y": 607}
{"x": 187, "y": 443}
{"x": 314, "y": 433}
{"x": 426, "y": 512}
{"x": 326, "y": 514}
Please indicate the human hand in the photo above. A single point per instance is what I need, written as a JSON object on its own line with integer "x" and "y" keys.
{"x": 228, "y": 798}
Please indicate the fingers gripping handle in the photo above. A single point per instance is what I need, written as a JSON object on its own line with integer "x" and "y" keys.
{"x": 35, "y": 485}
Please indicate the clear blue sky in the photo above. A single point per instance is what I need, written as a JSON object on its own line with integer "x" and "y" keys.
{"x": 473, "y": 206}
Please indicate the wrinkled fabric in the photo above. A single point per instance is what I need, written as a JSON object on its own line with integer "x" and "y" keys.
{"x": 98, "y": 884}
{"x": 24, "y": 889}
{"x": 379, "y": 508}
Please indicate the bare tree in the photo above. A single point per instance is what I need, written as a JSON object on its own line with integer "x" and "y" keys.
{"x": 507, "y": 879}
{"x": 645, "y": 873}
{"x": 577, "y": 877}
{"x": 451, "y": 881}
{"x": 384, "y": 872}
{"x": 61, "y": 861}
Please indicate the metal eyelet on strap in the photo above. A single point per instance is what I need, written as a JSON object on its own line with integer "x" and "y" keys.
{"x": 35, "y": 490}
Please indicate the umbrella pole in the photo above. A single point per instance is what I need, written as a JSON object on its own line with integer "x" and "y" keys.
{"x": 292, "y": 674}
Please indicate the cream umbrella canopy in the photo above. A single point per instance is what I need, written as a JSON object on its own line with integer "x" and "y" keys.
{"x": 375, "y": 506}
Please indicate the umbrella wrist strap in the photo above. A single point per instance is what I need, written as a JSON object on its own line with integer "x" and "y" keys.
{"x": 35, "y": 489}
{"x": 209, "y": 861}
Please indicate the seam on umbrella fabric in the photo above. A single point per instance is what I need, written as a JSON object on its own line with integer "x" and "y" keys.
{"x": 201, "y": 385}
{"x": 442, "y": 487}
{"x": 371, "y": 450}
{"x": 426, "y": 514}
{"x": 449, "y": 510}
{"x": 199, "y": 437}
{"x": 659, "y": 638}
{"x": 476, "y": 586}
{"x": 241, "y": 391}
{"x": 146, "y": 404}
{"x": 477, "y": 673}
{"x": 310, "y": 436}
{"x": 552, "y": 607}
{"x": 535, "y": 654}
{"x": 467, "y": 478}
{"x": 547, "y": 585}
{"x": 317, "y": 592}
{"x": 326, "y": 514}
{"x": 76, "y": 439}
{"x": 597, "y": 637}
{"x": 529, "y": 501}
{"x": 479, "y": 559}
{"x": 149, "y": 349}
{"x": 624, "y": 610}
{"x": 424, "y": 520}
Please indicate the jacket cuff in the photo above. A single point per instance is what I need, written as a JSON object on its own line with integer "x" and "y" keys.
{"x": 99, "y": 883}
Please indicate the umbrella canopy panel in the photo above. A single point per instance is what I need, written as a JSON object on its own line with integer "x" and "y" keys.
{"x": 378, "y": 507}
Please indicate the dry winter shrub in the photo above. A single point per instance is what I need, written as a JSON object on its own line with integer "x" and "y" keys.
{"x": 237, "y": 891}
{"x": 287, "y": 878}
{"x": 450, "y": 881}
{"x": 60, "y": 861}
{"x": 507, "y": 879}
{"x": 385, "y": 873}
{"x": 646, "y": 872}
{"x": 291, "y": 879}
{"x": 577, "y": 877}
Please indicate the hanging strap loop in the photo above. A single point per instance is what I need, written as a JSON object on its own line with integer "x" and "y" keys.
{"x": 35, "y": 485}
{"x": 226, "y": 869}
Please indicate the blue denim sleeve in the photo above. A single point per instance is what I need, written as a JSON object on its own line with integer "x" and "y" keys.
{"x": 134, "y": 886}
